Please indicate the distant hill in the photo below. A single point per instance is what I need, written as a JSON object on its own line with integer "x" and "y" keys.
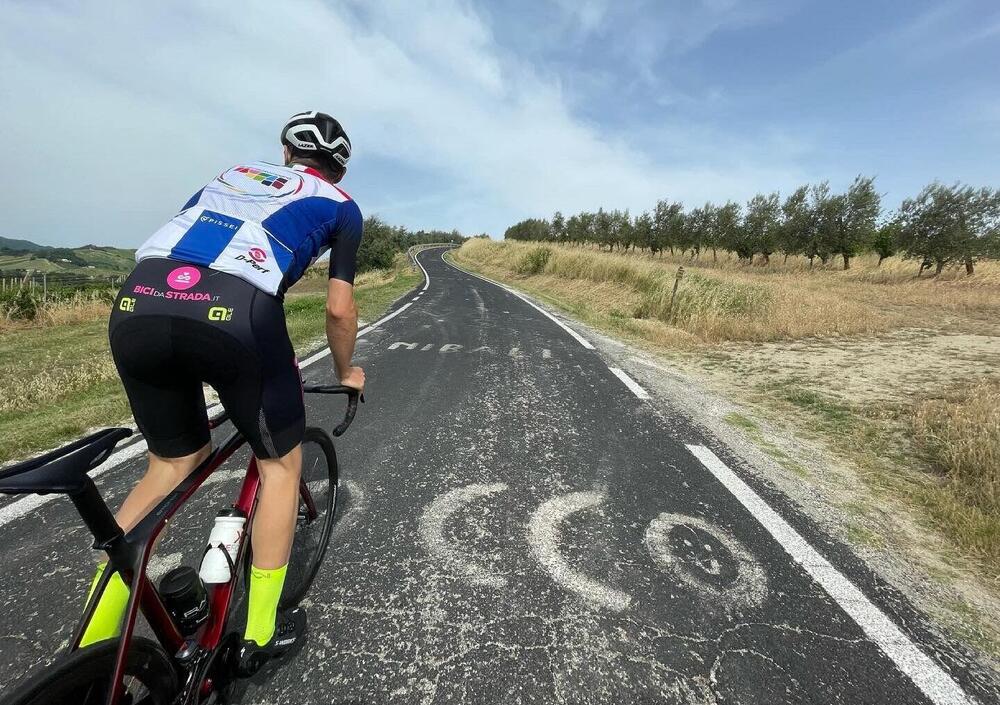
{"x": 9, "y": 243}
{"x": 18, "y": 256}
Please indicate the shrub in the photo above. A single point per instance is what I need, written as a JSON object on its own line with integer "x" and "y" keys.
{"x": 534, "y": 261}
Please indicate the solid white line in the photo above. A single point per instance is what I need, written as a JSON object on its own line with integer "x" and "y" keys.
{"x": 579, "y": 338}
{"x": 927, "y": 675}
{"x": 427, "y": 278}
{"x": 18, "y": 509}
{"x": 630, "y": 383}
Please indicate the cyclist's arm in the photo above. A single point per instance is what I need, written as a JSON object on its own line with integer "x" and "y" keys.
{"x": 341, "y": 310}
{"x": 341, "y": 324}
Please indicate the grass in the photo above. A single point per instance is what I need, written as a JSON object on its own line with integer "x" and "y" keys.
{"x": 729, "y": 301}
{"x": 960, "y": 436}
{"x": 936, "y": 456}
{"x": 58, "y": 379}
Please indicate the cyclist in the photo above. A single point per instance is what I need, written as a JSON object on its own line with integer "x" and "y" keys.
{"x": 204, "y": 304}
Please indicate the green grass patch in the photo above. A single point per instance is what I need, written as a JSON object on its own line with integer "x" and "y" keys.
{"x": 741, "y": 421}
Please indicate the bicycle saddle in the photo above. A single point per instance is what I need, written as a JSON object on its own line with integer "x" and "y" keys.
{"x": 63, "y": 470}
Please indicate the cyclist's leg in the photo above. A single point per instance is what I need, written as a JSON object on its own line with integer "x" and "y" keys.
{"x": 266, "y": 405}
{"x": 162, "y": 476}
{"x": 169, "y": 408}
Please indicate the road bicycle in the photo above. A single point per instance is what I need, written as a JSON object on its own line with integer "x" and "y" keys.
{"x": 193, "y": 655}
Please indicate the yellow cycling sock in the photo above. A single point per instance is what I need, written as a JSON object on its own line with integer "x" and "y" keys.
{"x": 262, "y": 608}
{"x": 106, "y": 621}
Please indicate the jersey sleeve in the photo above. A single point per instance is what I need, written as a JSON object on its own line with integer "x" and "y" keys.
{"x": 345, "y": 241}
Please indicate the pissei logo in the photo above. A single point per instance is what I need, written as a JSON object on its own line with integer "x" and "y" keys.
{"x": 126, "y": 304}
{"x": 220, "y": 313}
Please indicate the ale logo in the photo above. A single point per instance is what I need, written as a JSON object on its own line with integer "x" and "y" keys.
{"x": 220, "y": 313}
{"x": 126, "y": 304}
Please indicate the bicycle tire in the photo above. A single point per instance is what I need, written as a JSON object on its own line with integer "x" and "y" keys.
{"x": 82, "y": 677}
{"x": 320, "y": 474}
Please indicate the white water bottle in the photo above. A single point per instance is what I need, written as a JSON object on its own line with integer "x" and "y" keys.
{"x": 223, "y": 547}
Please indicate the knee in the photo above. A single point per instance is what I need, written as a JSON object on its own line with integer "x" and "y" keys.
{"x": 176, "y": 469}
{"x": 284, "y": 469}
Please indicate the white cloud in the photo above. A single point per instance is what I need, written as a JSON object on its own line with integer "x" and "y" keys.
{"x": 115, "y": 113}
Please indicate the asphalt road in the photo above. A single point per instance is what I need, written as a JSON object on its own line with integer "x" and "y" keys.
{"x": 521, "y": 525}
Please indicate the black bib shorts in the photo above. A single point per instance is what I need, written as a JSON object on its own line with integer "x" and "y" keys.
{"x": 175, "y": 326}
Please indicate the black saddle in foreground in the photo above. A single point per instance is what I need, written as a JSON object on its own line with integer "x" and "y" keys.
{"x": 63, "y": 470}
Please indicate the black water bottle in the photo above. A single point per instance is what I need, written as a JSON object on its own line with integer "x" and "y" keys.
{"x": 185, "y": 597}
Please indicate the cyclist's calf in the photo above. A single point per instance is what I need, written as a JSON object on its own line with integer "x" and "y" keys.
{"x": 277, "y": 509}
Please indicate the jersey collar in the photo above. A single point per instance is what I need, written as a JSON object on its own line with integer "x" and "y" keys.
{"x": 309, "y": 170}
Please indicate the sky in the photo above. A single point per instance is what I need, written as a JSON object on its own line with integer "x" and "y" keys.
{"x": 474, "y": 114}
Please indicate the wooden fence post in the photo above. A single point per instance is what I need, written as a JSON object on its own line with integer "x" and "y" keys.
{"x": 673, "y": 294}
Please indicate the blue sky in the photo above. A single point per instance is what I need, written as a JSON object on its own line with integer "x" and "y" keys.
{"x": 473, "y": 115}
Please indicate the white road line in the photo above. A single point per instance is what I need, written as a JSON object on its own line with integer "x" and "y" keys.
{"x": 427, "y": 279}
{"x": 16, "y": 510}
{"x": 544, "y": 539}
{"x": 927, "y": 675}
{"x": 579, "y": 338}
{"x": 629, "y": 382}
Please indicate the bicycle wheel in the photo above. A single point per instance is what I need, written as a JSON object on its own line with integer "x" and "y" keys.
{"x": 82, "y": 678}
{"x": 317, "y": 508}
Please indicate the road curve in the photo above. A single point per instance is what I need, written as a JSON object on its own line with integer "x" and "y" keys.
{"x": 523, "y": 526}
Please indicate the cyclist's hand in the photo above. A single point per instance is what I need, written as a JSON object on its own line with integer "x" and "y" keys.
{"x": 355, "y": 378}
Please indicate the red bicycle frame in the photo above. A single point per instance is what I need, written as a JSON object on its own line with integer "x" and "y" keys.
{"x": 130, "y": 554}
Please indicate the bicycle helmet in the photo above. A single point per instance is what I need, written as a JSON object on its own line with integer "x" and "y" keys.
{"x": 315, "y": 134}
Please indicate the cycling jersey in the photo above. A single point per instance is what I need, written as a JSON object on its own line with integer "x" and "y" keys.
{"x": 265, "y": 224}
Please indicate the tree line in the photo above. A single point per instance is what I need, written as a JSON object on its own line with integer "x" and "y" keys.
{"x": 382, "y": 241}
{"x": 942, "y": 225}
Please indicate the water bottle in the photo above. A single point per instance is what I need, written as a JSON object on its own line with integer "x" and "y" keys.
{"x": 223, "y": 547}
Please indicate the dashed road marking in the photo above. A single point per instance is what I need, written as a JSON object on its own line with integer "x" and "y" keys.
{"x": 629, "y": 382}
{"x": 432, "y": 527}
{"x": 927, "y": 675}
{"x": 543, "y": 538}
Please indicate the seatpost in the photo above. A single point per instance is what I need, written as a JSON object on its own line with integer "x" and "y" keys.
{"x": 97, "y": 517}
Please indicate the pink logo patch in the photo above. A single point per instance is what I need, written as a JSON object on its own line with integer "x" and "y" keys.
{"x": 183, "y": 278}
{"x": 258, "y": 254}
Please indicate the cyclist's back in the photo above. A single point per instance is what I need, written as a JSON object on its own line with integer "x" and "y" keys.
{"x": 204, "y": 304}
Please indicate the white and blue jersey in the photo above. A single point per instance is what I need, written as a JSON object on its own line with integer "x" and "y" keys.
{"x": 263, "y": 223}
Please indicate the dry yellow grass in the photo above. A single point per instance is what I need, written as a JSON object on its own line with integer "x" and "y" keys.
{"x": 712, "y": 303}
{"x": 82, "y": 307}
{"x": 961, "y": 436}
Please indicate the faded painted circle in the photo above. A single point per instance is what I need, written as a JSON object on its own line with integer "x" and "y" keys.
{"x": 705, "y": 557}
